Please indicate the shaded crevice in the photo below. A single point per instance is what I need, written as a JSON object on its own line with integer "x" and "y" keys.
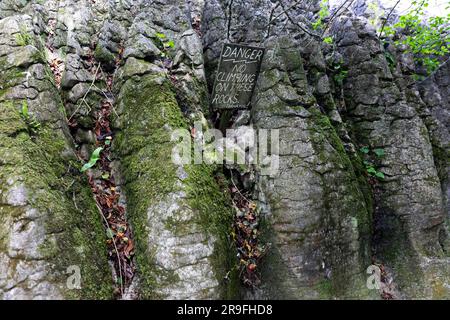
{"x": 107, "y": 195}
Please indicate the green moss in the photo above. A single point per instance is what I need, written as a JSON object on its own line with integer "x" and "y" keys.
{"x": 9, "y": 78}
{"x": 103, "y": 55}
{"x": 215, "y": 216}
{"x": 78, "y": 235}
{"x": 325, "y": 289}
{"x": 23, "y": 38}
{"x": 352, "y": 203}
{"x": 442, "y": 159}
{"x": 323, "y": 132}
{"x": 145, "y": 148}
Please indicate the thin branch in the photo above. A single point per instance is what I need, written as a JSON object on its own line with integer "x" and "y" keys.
{"x": 387, "y": 18}
{"x": 231, "y": 177}
{"x": 284, "y": 11}
{"x": 432, "y": 74}
{"x": 115, "y": 247}
{"x": 270, "y": 19}
{"x": 303, "y": 28}
{"x": 229, "y": 19}
{"x": 85, "y": 95}
{"x": 335, "y": 14}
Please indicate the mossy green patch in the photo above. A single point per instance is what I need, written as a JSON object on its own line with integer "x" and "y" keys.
{"x": 72, "y": 222}
{"x": 103, "y": 55}
{"x": 150, "y": 113}
{"x": 351, "y": 204}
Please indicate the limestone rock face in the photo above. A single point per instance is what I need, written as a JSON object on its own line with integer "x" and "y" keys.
{"x": 325, "y": 219}
{"x": 307, "y": 259}
{"x": 49, "y": 221}
{"x": 410, "y": 217}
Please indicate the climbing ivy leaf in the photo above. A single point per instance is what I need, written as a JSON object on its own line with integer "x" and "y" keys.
{"x": 364, "y": 150}
{"x": 93, "y": 160}
{"x": 379, "y": 152}
{"x": 328, "y": 40}
{"x": 379, "y": 175}
{"x": 426, "y": 41}
{"x": 171, "y": 44}
{"x": 160, "y": 35}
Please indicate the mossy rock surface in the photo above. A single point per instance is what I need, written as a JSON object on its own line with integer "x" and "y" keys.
{"x": 181, "y": 219}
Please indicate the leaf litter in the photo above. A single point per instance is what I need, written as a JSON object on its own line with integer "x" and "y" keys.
{"x": 246, "y": 235}
{"x": 119, "y": 237}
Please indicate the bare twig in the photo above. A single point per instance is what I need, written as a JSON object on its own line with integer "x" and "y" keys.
{"x": 331, "y": 19}
{"x": 74, "y": 200}
{"x": 432, "y": 74}
{"x": 231, "y": 176}
{"x": 270, "y": 19}
{"x": 87, "y": 92}
{"x": 303, "y": 28}
{"x": 335, "y": 14}
{"x": 230, "y": 5}
{"x": 387, "y": 18}
{"x": 283, "y": 12}
{"x": 115, "y": 247}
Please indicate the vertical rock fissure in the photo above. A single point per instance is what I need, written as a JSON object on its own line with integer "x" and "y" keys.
{"x": 247, "y": 231}
{"x": 110, "y": 200}
{"x": 108, "y": 196}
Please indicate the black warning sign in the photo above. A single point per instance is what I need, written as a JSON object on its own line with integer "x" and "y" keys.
{"x": 236, "y": 76}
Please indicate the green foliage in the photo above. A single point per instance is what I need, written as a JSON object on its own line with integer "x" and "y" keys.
{"x": 323, "y": 14}
{"x": 170, "y": 44}
{"x": 328, "y": 40}
{"x": 32, "y": 124}
{"x": 23, "y": 38}
{"x": 24, "y": 111}
{"x": 160, "y": 35}
{"x": 364, "y": 150}
{"x": 379, "y": 152}
{"x": 390, "y": 59}
{"x": 93, "y": 160}
{"x": 428, "y": 41}
{"x": 372, "y": 171}
{"x": 339, "y": 74}
{"x": 369, "y": 166}
{"x": 164, "y": 43}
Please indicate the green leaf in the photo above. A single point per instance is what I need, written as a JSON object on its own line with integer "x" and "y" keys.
{"x": 105, "y": 175}
{"x": 328, "y": 40}
{"x": 93, "y": 160}
{"x": 96, "y": 154}
{"x": 171, "y": 44}
{"x": 379, "y": 175}
{"x": 160, "y": 35}
{"x": 25, "y": 113}
{"x": 364, "y": 150}
{"x": 109, "y": 233}
{"x": 379, "y": 152}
